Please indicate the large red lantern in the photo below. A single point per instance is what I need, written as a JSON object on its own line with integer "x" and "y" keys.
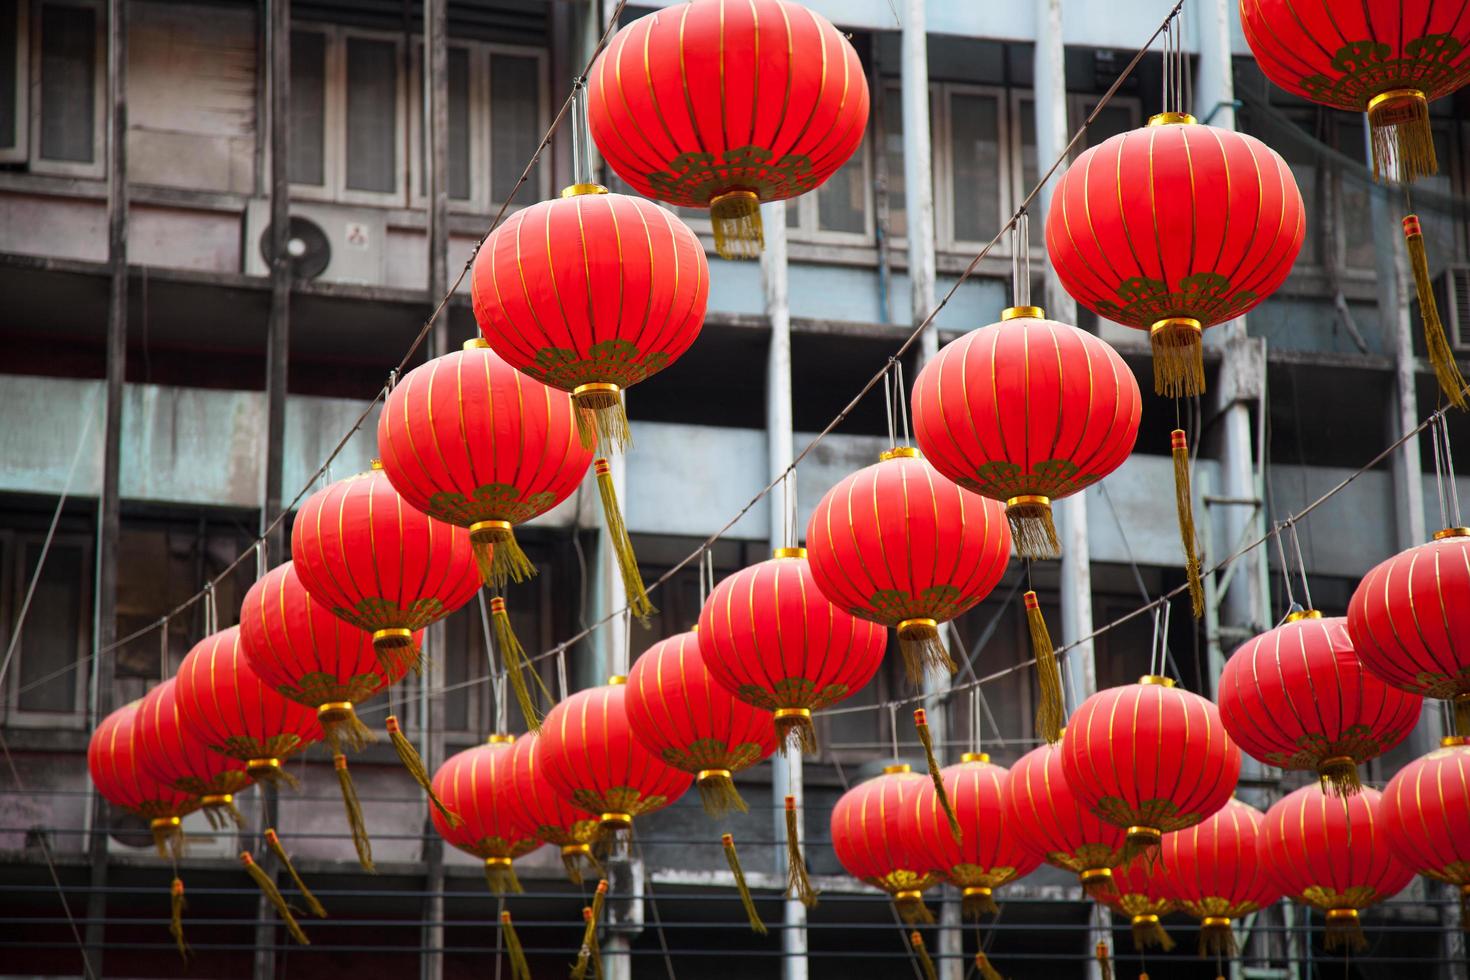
{"x": 899, "y": 545}
{"x": 588, "y": 753}
{"x": 548, "y": 816}
{"x": 471, "y": 441}
{"x": 678, "y": 712}
{"x": 1333, "y": 853}
{"x": 1046, "y": 817}
{"x": 368, "y": 556}
{"x": 769, "y": 636}
{"x": 1426, "y": 815}
{"x": 1297, "y": 697}
{"x": 723, "y": 105}
{"x": 1174, "y": 228}
{"x": 171, "y": 754}
{"x": 1150, "y": 758}
{"x": 874, "y": 834}
{"x": 1136, "y": 890}
{"x": 989, "y": 853}
{"x": 1410, "y": 621}
{"x": 476, "y": 784}
{"x": 1215, "y": 871}
{"x": 1027, "y": 411}
{"x": 113, "y": 759}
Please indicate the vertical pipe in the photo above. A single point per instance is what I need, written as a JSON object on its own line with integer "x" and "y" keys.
{"x": 918, "y": 171}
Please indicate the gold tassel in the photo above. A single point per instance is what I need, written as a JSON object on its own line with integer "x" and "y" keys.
{"x": 1441, "y": 356}
{"x": 922, "y": 952}
{"x": 1033, "y": 533}
{"x": 718, "y": 793}
{"x": 273, "y": 895}
{"x": 794, "y": 725}
{"x": 978, "y": 902}
{"x": 519, "y": 968}
{"x": 602, "y": 422}
{"x": 1050, "y": 712}
{"x": 1179, "y": 363}
{"x": 394, "y": 647}
{"x": 922, "y": 649}
{"x": 513, "y": 658}
{"x": 1344, "y": 931}
{"x": 797, "y": 882}
{"x": 273, "y": 842}
{"x": 622, "y": 545}
{"x": 736, "y": 219}
{"x": 921, "y": 722}
{"x": 1399, "y": 121}
{"x": 500, "y": 876}
{"x": 1184, "y": 502}
{"x": 756, "y": 925}
{"x": 590, "y": 953}
{"x": 1216, "y": 937}
{"x": 984, "y": 969}
{"x": 168, "y": 837}
{"x": 911, "y": 908}
{"x": 1339, "y": 776}
{"x": 498, "y": 555}
{"x": 409, "y": 756}
{"x": 1104, "y": 965}
{"x": 1149, "y": 933}
{"x": 342, "y": 727}
{"x": 176, "y": 917}
{"x": 354, "y": 813}
{"x": 572, "y": 856}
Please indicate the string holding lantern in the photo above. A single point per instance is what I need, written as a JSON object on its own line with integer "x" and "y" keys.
{"x": 1215, "y": 871}
{"x": 1044, "y": 814}
{"x": 477, "y": 784}
{"x": 1136, "y": 891}
{"x": 172, "y": 755}
{"x": 550, "y": 817}
{"x": 1333, "y": 854}
{"x": 723, "y": 105}
{"x": 1426, "y": 816}
{"x": 1298, "y": 697}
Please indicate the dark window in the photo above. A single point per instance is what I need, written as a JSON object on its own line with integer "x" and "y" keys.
{"x": 56, "y": 630}
{"x": 308, "y": 108}
{"x": 68, "y": 83}
{"x": 9, "y": 71}
{"x": 514, "y": 127}
{"x": 372, "y": 107}
{"x": 459, "y": 124}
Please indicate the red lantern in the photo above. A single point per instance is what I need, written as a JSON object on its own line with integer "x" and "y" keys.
{"x": 989, "y": 854}
{"x": 1046, "y": 817}
{"x": 680, "y": 714}
{"x": 1027, "y": 411}
{"x": 1333, "y": 854}
{"x": 1297, "y": 697}
{"x": 113, "y": 759}
{"x": 723, "y": 105}
{"x": 589, "y": 755}
{"x": 1174, "y": 228}
{"x": 769, "y": 636}
{"x": 1215, "y": 872}
{"x": 231, "y": 711}
{"x": 549, "y": 817}
{"x": 172, "y": 755}
{"x": 477, "y": 785}
{"x": 899, "y": 545}
{"x": 1410, "y": 621}
{"x": 1150, "y": 758}
{"x": 1388, "y": 58}
{"x": 374, "y": 561}
{"x": 1426, "y": 816}
{"x": 1137, "y": 891}
{"x": 874, "y": 834}
{"x": 471, "y": 441}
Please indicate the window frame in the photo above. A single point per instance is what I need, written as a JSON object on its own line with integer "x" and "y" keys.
{"x": 1008, "y": 142}
{"x": 13, "y": 582}
{"x": 38, "y": 164}
{"x": 808, "y": 221}
{"x": 20, "y": 152}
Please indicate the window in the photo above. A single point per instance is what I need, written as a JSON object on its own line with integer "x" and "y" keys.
{"x": 56, "y": 633}
{"x": 14, "y": 61}
{"x": 840, "y": 209}
{"x": 52, "y": 68}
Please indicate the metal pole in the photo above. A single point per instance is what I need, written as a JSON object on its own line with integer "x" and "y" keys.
{"x": 918, "y": 171}
{"x": 109, "y": 510}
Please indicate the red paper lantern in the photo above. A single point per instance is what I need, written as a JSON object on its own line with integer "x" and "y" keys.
{"x": 1410, "y": 621}
{"x": 874, "y": 834}
{"x": 692, "y": 723}
{"x": 899, "y": 545}
{"x": 1046, "y": 817}
{"x": 1426, "y": 816}
{"x": 1297, "y": 697}
{"x": 471, "y": 441}
{"x": 591, "y": 293}
{"x": 1150, "y": 758}
{"x": 1027, "y": 411}
{"x": 1174, "y": 228}
{"x": 989, "y": 854}
{"x": 589, "y": 755}
{"x": 769, "y": 636}
{"x": 550, "y": 817}
{"x": 1333, "y": 854}
{"x": 723, "y": 105}
{"x": 228, "y": 708}
{"x": 1388, "y": 58}
{"x": 477, "y": 785}
{"x": 1136, "y": 890}
{"x": 113, "y": 759}
{"x": 1215, "y": 872}
{"x": 171, "y": 754}
{"x": 368, "y": 556}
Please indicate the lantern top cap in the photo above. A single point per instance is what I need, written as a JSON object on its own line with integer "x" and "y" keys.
{"x": 1297, "y": 615}
{"x": 1172, "y": 119}
{"x": 1022, "y": 313}
{"x": 1156, "y": 680}
{"x": 581, "y": 190}
{"x": 789, "y": 553}
{"x": 1451, "y": 741}
{"x": 1452, "y": 532}
{"x": 898, "y": 452}
{"x": 500, "y": 739}
{"x": 897, "y": 767}
{"x": 616, "y": 680}
{"x": 975, "y": 757}
{"x": 375, "y": 464}
{"x": 477, "y": 343}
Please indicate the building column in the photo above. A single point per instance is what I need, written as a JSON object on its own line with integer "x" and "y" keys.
{"x": 918, "y": 188}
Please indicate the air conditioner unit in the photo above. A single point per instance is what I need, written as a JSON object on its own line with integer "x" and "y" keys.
{"x": 327, "y": 242}
{"x": 1452, "y": 293}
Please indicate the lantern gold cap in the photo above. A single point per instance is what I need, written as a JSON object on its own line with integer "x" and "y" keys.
{"x": 898, "y": 452}
{"x": 1172, "y": 119}
{"x": 1297, "y": 615}
{"x": 617, "y": 679}
{"x": 1452, "y": 532}
{"x": 1022, "y": 313}
{"x": 1451, "y": 741}
{"x": 975, "y": 757}
{"x": 476, "y": 343}
{"x": 1156, "y": 680}
{"x": 789, "y": 553}
{"x": 580, "y": 190}
{"x": 375, "y": 463}
{"x": 897, "y": 767}
{"x": 499, "y": 738}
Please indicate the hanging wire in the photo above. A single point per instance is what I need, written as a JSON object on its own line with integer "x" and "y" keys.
{"x": 581, "y": 153}
{"x": 1449, "y": 474}
{"x": 1301, "y": 566}
{"x": 893, "y": 728}
{"x": 497, "y": 674}
{"x": 902, "y": 408}
{"x": 975, "y": 720}
{"x": 888, "y": 403}
{"x": 561, "y": 674}
{"x": 1434, "y": 438}
{"x": 1291, "y": 603}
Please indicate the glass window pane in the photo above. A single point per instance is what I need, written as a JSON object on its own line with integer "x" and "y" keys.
{"x": 372, "y": 107}
{"x": 515, "y": 125}
{"x": 898, "y": 217}
{"x": 459, "y": 124}
{"x": 68, "y": 84}
{"x": 793, "y": 213}
{"x": 842, "y": 202}
{"x": 53, "y": 633}
{"x": 975, "y": 165}
{"x": 308, "y": 107}
{"x": 9, "y": 67}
